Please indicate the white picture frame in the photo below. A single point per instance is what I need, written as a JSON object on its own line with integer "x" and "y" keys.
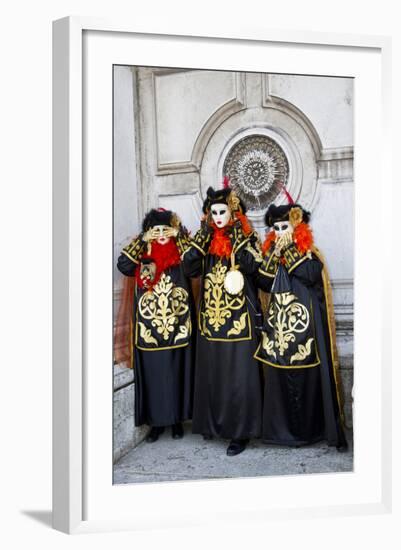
{"x": 84, "y": 499}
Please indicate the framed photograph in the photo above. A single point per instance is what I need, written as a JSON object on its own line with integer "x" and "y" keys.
{"x": 144, "y": 125}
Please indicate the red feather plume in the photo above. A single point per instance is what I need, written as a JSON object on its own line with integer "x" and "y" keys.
{"x": 226, "y": 182}
{"x": 286, "y": 193}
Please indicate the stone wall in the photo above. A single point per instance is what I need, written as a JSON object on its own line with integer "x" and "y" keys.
{"x": 173, "y": 132}
{"x": 125, "y": 434}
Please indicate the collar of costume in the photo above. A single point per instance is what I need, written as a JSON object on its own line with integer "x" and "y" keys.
{"x": 221, "y": 243}
{"x": 164, "y": 256}
{"x": 302, "y": 237}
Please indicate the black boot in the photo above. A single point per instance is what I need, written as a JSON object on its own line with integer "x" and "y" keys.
{"x": 207, "y": 437}
{"x": 236, "y": 446}
{"x": 177, "y": 431}
{"x": 154, "y": 433}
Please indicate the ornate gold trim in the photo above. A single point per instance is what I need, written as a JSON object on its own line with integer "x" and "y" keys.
{"x": 270, "y": 275}
{"x": 211, "y": 339}
{"x": 163, "y": 306}
{"x": 293, "y": 367}
{"x": 331, "y": 326}
{"x": 287, "y": 316}
{"x": 256, "y": 252}
{"x": 303, "y": 351}
{"x": 193, "y": 243}
{"x": 241, "y": 244}
{"x": 156, "y": 349}
{"x": 239, "y": 324}
{"x": 292, "y": 267}
{"x": 146, "y": 334}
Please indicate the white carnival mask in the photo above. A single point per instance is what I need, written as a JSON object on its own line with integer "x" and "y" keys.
{"x": 283, "y": 227}
{"x": 220, "y": 214}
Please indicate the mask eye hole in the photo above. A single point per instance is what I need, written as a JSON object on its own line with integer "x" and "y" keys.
{"x": 284, "y": 227}
{"x": 214, "y": 212}
{"x": 222, "y": 212}
{"x": 276, "y": 228}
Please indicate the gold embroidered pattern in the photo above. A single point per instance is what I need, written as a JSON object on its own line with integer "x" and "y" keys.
{"x": 164, "y": 305}
{"x": 268, "y": 345}
{"x": 270, "y": 265}
{"x": 219, "y": 305}
{"x": 239, "y": 326}
{"x": 134, "y": 250}
{"x": 184, "y": 330}
{"x": 303, "y": 351}
{"x": 256, "y": 252}
{"x": 146, "y": 334}
{"x": 287, "y": 317}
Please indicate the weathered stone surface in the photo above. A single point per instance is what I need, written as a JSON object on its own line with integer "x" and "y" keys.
{"x": 126, "y": 435}
{"x": 122, "y": 376}
{"x": 335, "y": 95}
{"x": 347, "y": 377}
{"x": 194, "y": 458}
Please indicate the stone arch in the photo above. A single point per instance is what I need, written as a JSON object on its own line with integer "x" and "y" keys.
{"x": 217, "y": 118}
{"x": 282, "y": 122}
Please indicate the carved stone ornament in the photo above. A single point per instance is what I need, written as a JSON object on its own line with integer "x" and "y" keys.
{"x": 256, "y": 165}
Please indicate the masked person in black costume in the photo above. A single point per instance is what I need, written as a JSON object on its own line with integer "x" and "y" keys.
{"x": 161, "y": 324}
{"x": 302, "y": 396}
{"x": 228, "y": 390}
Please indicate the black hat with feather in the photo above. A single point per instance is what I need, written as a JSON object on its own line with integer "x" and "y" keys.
{"x": 225, "y": 195}
{"x": 286, "y": 212}
{"x": 160, "y": 216}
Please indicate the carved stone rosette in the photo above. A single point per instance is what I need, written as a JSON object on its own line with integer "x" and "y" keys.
{"x": 256, "y": 165}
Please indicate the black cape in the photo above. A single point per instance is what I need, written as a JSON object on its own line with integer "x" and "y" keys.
{"x": 302, "y": 396}
{"x": 228, "y": 380}
{"x": 162, "y": 324}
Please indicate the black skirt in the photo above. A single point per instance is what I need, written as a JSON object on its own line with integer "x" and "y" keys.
{"x": 163, "y": 386}
{"x": 293, "y": 408}
{"x": 228, "y": 390}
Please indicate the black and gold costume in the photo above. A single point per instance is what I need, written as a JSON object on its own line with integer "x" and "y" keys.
{"x": 228, "y": 383}
{"x": 302, "y": 396}
{"x": 162, "y": 329}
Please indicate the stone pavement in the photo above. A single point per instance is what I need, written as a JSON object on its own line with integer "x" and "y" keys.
{"x": 193, "y": 458}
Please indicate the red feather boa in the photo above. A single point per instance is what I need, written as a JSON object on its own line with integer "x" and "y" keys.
{"x": 164, "y": 256}
{"x": 302, "y": 237}
{"x": 221, "y": 243}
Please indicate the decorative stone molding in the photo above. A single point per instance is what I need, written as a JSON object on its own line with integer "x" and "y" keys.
{"x": 336, "y": 165}
{"x": 282, "y": 129}
{"x": 343, "y": 298}
{"x": 266, "y": 150}
{"x": 228, "y": 106}
{"x": 258, "y": 168}
{"x": 269, "y": 100}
